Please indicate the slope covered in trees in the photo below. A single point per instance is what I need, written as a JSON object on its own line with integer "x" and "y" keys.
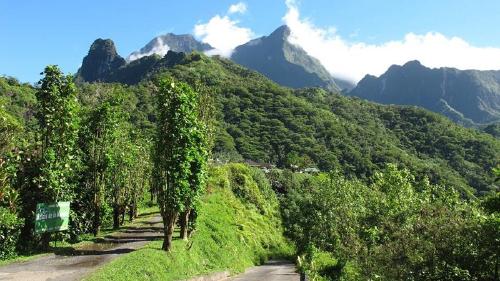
{"x": 261, "y": 121}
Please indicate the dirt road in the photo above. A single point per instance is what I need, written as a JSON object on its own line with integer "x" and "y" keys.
{"x": 75, "y": 264}
{"x": 271, "y": 271}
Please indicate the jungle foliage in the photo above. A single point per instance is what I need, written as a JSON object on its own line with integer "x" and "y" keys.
{"x": 396, "y": 228}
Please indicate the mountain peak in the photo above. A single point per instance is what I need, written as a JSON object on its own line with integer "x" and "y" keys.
{"x": 413, "y": 64}
{"x": 101, "y": 60}
{"x": 283, "y": 62}
{"x": 105, "y": 47}
{"x": 160, "y": 45}
{"x": 281, "y": 32}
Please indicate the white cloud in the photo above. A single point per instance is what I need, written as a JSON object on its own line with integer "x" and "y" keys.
{"x": 159, "y": 47}
{"x": 223, "y": 34}
{"x": 352, "y": 61}
{"x": 239, "y": 8}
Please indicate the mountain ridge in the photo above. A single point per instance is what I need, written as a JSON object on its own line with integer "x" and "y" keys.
{"x": 468, "y": 97}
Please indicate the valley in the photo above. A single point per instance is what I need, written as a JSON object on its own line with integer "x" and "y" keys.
{"x": 221, "y": 152}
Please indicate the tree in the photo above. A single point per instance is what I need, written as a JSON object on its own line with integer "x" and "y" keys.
{"x": 177, "y": 156}
{"x": 99, "y": 138}
{"x": 139, "y": 174}
{"x": 204, "y": 140}
{"x": 58, "y": 122}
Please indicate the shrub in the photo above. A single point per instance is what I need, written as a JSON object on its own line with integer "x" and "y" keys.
{"x": 10, "y": 228}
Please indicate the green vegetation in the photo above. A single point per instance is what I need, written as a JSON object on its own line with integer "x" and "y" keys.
{"x": 235, "y": 230}
{"x": 264, "y": 122}
{"x": 403, "y": 193}
{"x": 57, "y": 116}
{"x": 397, "y": 228}
{"x": 261, "y": 121}
{"x": 180, "y": 155}
{"x": 84, "y": 151}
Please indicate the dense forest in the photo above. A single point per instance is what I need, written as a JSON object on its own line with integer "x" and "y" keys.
{"x": 261, "y": 121}
{"x": 391, "y": 176}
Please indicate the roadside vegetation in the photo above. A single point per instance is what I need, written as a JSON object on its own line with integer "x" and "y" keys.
{"x": 396, "y": 228}
{"x": 238, "y": 226}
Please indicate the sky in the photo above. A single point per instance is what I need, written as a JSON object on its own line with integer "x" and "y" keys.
{"x": 351, "y": 38}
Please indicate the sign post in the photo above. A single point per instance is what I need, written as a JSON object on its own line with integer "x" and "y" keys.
{"x": 51, "y": 217}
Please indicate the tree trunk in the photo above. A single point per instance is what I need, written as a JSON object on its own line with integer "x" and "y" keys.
{"x": 45, "y": 240}
{"x": 116, "y": 217}
{"x": 169, "y": 219}
{"x": 132, "y": 212}
{"x": 184, "y": 224}
{"x": 97, "y": 221}
{"x": 122, "y": 213}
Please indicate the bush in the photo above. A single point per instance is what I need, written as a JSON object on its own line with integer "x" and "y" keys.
{"x": 10, "y": 228}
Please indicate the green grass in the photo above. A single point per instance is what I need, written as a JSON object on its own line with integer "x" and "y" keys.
{"x": 232, "y": 234}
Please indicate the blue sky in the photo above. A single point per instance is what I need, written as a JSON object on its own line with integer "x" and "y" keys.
{"x": 36, "y": 33}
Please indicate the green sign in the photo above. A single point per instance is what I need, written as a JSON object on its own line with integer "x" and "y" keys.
{"x": 51, "y": 217}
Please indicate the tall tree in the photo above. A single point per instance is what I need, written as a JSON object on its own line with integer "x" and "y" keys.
{"x": 58, "y": 120}
{"x": 120, "y": 178}
{"x": 177, "y": 140}
{"x": 203, "y": 133}
{"x": 99, "y": 137}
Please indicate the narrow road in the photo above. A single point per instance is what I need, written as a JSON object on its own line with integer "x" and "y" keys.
{"x": 271, "y": 271}
{"x": 75, "y": 264}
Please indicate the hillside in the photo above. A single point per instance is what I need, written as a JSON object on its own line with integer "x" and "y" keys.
{"x": 239, "y": 216}
{"x": 17, "y": 99}
{"x": 264, "y": 122}
{"x": 467, "y": 97}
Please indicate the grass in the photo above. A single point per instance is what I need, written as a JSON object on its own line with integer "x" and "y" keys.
{"x": 232, "y": 234}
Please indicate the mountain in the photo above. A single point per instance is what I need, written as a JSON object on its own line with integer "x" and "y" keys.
{"x": 160, "y": 45}
{"x": 285, "y": 63}
{"x": 261, "y": 121}
{"x": 101, "y": 61}
{"x": 274, "y": 56}
{"x": 467, "y": 97}
{"x": 103, "y": 64}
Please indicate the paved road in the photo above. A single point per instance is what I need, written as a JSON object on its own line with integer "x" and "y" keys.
{"x": 78, "y": 263}
{"x": 271, "y": 271}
